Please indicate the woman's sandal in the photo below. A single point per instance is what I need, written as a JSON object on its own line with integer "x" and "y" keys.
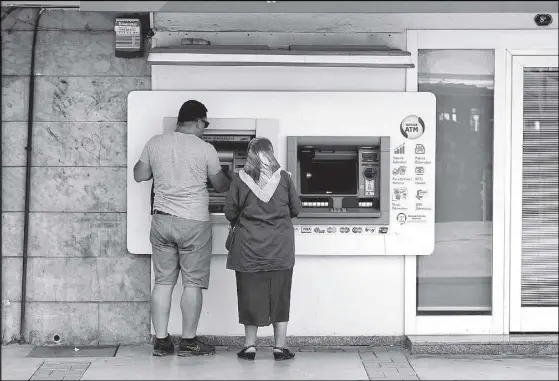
{"x": 285, "y": 354}
{"x": 243, "y": 354}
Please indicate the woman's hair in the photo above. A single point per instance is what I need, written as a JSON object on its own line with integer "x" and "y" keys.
{"x": 261, "y": 163}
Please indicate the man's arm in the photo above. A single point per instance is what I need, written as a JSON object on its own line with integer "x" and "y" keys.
{"x": 142, "y": 169}
{"x": 218, "y": 178}
{"x": 220, "y": 181}
{"x": 142, "y": 172}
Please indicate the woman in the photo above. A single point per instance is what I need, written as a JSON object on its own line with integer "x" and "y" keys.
{"x": 263, "y": 199}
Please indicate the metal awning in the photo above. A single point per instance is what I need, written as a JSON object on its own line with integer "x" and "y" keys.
{"x": 295, "y": 55}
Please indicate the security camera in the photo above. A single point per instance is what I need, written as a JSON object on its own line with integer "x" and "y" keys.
{"x": 543, "y": 19}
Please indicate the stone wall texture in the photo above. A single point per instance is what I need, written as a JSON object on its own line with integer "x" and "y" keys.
{"x": 82, "y": 284}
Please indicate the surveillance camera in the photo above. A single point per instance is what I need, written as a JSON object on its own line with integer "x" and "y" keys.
{"x": 543, "y": 19}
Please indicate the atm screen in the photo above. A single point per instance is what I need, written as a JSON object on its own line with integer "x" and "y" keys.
{"x": 337, "y": 177}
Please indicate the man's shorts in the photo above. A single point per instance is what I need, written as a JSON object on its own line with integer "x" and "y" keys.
{"x": 181, "y": 245}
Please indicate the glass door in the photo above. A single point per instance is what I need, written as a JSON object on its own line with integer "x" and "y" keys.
{"x": 534, "y": 186}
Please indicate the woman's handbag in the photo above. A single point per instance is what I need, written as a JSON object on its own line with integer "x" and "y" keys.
{"x": 231, "y": 235}
{"x": 233, "y": 228}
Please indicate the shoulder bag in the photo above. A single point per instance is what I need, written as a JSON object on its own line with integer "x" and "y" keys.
{"x": 233, "y": 228}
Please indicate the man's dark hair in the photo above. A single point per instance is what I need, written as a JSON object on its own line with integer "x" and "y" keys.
{"x": 192, "y": 110}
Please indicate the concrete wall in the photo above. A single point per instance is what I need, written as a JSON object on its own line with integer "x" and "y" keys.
{"x": 83, "y": 285}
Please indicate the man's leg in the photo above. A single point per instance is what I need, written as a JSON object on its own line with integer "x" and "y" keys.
{"x": 191, "y": 306}
{"x": 166, "y": 271}
{"x": 195, "y": 250}
{"x": 161, "y": 308}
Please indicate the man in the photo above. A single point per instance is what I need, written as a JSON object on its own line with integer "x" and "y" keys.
{"x": 180, "y": 164}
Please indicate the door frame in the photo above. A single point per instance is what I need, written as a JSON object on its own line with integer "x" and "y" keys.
{"x": 523, "y": 319}
{"x": 504, "y": 43}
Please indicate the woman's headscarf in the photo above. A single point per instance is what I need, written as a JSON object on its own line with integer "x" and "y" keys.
{"x": 262, "y": 172}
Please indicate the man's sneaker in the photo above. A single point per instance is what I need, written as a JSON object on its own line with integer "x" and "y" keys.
{"x": 194, "y": 347}
{"x": 163, "y": 347}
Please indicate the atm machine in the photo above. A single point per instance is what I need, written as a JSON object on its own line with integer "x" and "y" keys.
{"x": 342, "y": 177}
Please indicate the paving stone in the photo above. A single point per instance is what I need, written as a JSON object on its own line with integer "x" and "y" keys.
{"x": 367, "y": 356}
{"x": 389, "y": 369}
{"x": 406, "y": 369}
{"x": 329, "y": 349}
{"x": 366, "y": 349}
{"x": 372, "y": 365}
{"x": 56, "y": 366}
{"x": 400, "y": 360}
{"x": 390, "y": 365}
{"x": 80, "y": 367}
{"x": 352, "y": 349}
{"x": 390, "y": 372}
{"x": 384, "y": 354}
{"x": 407, "y": 372}
{"x": 379, "y": 349}
{"x": 385, "y": 360}
{"x": 306, "y": 349}
{"x": 61, "y": 374}
{"x": 42, "y": 373}
{"x": 402, "y": 364}
{"x": 74, "y": 372}
{"x": 374, "y": 373}
{"x": 57, "y": 370}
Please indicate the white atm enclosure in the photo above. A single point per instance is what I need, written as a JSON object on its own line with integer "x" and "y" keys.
{"x": 399, "y": 126}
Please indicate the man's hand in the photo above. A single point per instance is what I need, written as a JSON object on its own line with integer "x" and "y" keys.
{"x": 142, "y": 172}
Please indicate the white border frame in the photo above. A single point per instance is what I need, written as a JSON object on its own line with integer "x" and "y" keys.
{"x": 523, "y": 319}
{"x": 504, "y": 42}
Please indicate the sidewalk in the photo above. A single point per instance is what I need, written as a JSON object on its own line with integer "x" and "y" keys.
{"x": 345, "y": 363}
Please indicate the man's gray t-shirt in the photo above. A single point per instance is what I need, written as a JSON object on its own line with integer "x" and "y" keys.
{"x": 181, "y": 164}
